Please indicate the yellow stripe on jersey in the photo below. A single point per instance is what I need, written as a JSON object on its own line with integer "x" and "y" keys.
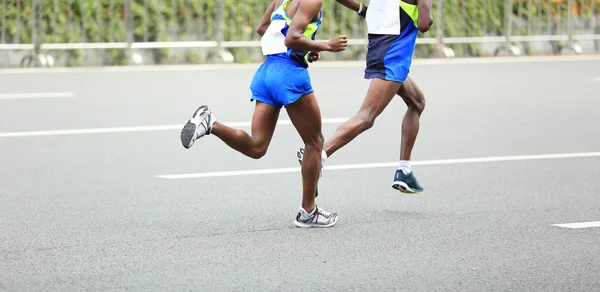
{"x": 410, "y": 9}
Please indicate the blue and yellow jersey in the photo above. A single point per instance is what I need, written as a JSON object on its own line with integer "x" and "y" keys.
{"x": 273, "y": 41}
{"x": 391, "y": 17}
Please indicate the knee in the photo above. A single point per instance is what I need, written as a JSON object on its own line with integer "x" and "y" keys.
{"x": 418, "y": 104}
{"x": 314, "y": 141}
{"x": 367, "y": 120}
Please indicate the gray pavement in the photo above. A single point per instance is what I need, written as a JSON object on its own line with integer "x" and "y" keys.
{"x": 87, "y": 212}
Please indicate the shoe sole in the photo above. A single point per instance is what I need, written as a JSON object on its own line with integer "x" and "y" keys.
{"x": 304, "y": 225}
{"x": 404, "y": 188}
{"x": 189, "y": 130}
{"x": 187, "y": 135}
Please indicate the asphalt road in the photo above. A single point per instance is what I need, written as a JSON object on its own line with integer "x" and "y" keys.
{"x": 87, "y": 212}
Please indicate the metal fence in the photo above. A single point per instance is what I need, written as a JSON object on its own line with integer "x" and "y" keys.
{"x": 121, "y": 30}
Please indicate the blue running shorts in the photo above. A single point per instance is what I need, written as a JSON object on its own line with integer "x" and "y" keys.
{"x": 280, "y": 81}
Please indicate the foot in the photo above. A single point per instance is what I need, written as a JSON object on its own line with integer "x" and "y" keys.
{"x": 406, "y": 182}
{"x": 199, "y": 125}
{"x": 300, "y": 155}
{"x": 319, "y": 218}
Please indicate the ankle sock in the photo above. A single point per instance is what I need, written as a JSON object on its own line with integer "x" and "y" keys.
{"x": 405, "y": 164}
{"x": 306, "y": 215}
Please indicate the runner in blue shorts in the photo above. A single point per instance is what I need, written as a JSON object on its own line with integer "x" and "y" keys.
{"x": 393, "y": 26}
{"x": 288, "y": 30}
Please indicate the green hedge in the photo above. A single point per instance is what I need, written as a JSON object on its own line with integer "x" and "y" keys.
{"x": 72, "y": 21}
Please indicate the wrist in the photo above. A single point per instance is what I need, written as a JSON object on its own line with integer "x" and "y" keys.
{"x": 324, "y": 46}
{"x": 362, "y": 9}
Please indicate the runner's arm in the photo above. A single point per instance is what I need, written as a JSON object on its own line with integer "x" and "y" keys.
{"x": 265, "y": 20}
{"x": 354, "y": 5}
{"x": 307, "y": 10}
{"x": 425, "y": 17}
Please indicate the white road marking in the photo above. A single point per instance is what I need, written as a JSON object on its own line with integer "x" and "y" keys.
{"x": 89, "y": 131}
{"x": 382, "y": 165}
{"x": 323, "y": 64}
{"x": 596, "y": 79}
{"x": 33, "y": 95}
{"x": 137, "y": 129}
{"x": 579, "y": 225}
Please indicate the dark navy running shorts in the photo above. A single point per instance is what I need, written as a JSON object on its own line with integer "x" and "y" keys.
{"x": 389, "y": 56}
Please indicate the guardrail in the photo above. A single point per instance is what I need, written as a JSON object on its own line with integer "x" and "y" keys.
{"x": 124, "y": 28}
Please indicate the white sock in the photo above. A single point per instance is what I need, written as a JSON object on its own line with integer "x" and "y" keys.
{"x": 323, "y": 157}
{"x": 405, "y": 164}
{"x": 306, "y": 215}
{"x": 211, "y": 121}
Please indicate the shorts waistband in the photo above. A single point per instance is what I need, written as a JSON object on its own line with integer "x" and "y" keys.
{"x": 283, "y": 58}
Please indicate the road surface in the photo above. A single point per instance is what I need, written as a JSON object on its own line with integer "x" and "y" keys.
{"x": 97, "y": 193}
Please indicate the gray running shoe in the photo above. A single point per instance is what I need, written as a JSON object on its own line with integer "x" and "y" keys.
{"x": 319, "y": 218}
{"x": 198, "y": 125}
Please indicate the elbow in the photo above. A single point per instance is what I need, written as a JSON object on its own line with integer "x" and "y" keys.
{"x": 291, "y": 40}
{"x": 261, "y": 30}
{"x": 425, "y": 26}
{"x": 425, "y": 20}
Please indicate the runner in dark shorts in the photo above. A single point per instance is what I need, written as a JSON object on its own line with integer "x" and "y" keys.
{"x": 393, "y": 26}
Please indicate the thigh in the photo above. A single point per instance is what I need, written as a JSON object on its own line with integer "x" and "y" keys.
{"x": 411, "y": 93}
{"x": 386, "y": 67}
{"x": 264, "y": 121}
{"x": 380, "y": 94}
{"x": 306, "y": 117}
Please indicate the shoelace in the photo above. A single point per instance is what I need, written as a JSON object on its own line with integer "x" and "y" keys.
{"x": 327, "y": 215}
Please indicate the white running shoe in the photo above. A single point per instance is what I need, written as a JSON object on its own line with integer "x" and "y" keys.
{"x": 319, "y": 218}
{"x": 199, "y": 125}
